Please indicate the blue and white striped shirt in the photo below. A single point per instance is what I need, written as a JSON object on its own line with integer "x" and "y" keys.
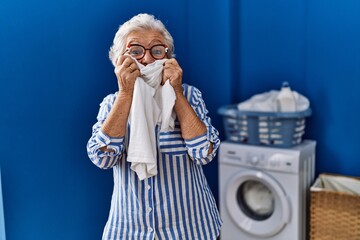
{"x": 177, "y": 203}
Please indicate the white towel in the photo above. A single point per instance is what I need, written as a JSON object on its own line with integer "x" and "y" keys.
{"x": 151, "y": 104}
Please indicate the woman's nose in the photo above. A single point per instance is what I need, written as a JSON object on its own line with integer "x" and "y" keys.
{"x": 147, "y": 59}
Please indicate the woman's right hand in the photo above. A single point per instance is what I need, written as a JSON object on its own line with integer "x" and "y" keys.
{"x": 126, "y": 72}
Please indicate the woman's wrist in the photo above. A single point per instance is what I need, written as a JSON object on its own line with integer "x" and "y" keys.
{"x": 125, "y": 95}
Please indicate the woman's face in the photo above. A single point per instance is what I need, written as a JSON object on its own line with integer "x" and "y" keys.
{"x": 147, "y": 39}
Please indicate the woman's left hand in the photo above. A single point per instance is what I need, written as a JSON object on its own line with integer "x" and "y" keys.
{"x": 173, "y": 72}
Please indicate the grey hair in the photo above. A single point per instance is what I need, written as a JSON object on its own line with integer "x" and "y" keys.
{"x": 139, "y": 22}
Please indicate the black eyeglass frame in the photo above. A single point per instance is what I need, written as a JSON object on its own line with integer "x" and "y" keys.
{"x": 145, "y": 49}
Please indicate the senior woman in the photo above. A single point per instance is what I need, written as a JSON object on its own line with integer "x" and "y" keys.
{"x": 168, "y": 198}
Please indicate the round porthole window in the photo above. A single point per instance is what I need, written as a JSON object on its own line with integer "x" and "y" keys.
{"x": 257, "y": 204}
{"x": 255, "y": 200}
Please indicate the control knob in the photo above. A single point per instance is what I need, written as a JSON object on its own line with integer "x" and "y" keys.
{"x": 254, "y": 160}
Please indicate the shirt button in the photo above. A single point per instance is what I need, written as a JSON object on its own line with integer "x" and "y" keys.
{"x": 150, "y": 229}
{"x": 148, "y": 187}
{"x": 149, "y": 209}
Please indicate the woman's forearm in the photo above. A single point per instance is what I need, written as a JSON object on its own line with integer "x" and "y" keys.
{"x": 116, "y": 121}
{"x": 191, "y": 125}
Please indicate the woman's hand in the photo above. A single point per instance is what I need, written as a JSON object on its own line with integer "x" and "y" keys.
{"x": 126, "y": 71}
{"x": 173, "y": 72}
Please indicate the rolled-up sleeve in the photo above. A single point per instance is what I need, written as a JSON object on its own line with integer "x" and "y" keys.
{"x": 198, "y": 147}
{"x": 98, "y": 140}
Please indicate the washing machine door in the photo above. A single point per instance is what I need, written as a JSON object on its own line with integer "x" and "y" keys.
{"x": 257, "y": 203}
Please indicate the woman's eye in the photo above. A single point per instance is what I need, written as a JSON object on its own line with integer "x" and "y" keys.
{"x": 157, "y": 52}
{"x": 136, "y": 52}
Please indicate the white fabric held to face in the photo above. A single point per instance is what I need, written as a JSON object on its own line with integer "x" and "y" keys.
{"x": 151, "y": 104}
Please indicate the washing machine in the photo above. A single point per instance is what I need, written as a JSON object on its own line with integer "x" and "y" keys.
{"x": 264, "y": 191}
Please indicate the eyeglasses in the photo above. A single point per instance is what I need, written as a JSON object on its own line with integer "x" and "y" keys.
{"x": 137, "y": 51}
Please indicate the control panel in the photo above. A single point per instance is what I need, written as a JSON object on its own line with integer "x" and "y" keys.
{"x": 260, "y": 157}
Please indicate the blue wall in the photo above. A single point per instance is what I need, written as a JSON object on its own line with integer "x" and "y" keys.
{"x": 54, "y": 72}
{"x": 314, "y": 45}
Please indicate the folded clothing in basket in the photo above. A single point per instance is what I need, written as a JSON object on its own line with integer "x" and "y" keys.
{"x": 338, "y": 184}
{"x": 267, "y": 102}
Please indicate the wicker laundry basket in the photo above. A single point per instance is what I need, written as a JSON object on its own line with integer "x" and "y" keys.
{"x": 334, "y": 215}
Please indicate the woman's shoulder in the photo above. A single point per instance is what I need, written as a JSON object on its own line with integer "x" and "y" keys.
{"x": 193, "y": 94}
{"x": 190, "y": 89}
{"x": 109, "y": 99}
